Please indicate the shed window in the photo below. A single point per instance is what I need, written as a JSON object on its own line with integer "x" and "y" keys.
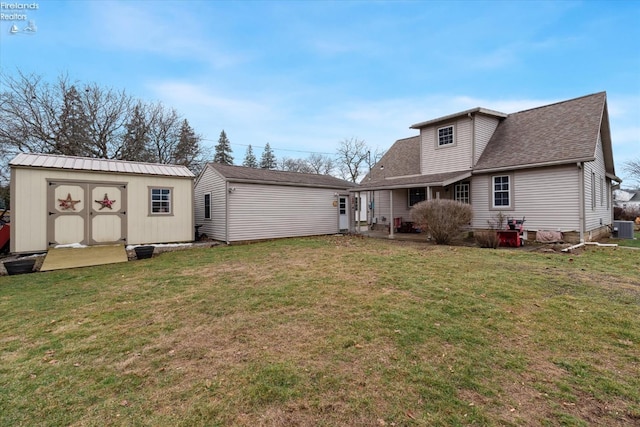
{"x": 161, "y": 201}
{"x": 501, "y": 192}
{"x": 207, "y": 206}
{"x": 417, "y": 195}
{"x": 445, "y": 135}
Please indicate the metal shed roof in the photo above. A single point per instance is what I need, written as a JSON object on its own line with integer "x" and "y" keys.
{"x": 50, "y": 161}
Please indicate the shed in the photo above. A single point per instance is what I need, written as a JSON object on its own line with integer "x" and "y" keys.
{"x": 237, "y": 203}
{"x": 63, "y": 200}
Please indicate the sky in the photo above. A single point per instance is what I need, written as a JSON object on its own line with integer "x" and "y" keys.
{"x": 305, "y": 75}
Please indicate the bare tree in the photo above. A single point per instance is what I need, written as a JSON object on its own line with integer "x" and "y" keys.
{"x": 632, "y": 167}
{"x": 72, "y": 118}
{"x": 321, "y": 164}
{"x": 294, "y": 165}
{"x": 352, "y": 157}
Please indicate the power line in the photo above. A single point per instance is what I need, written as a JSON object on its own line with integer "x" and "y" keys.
{"x": 273, "y": 148}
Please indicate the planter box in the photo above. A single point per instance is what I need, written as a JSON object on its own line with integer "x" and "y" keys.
{"x": 21, "y": 266}
{"x": 143, "y": 252}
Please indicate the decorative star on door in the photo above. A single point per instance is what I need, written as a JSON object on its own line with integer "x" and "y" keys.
{"x": 68, "y": 203}
{"x": 105, "y": 203}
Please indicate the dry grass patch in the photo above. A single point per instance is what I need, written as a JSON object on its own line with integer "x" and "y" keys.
{"x": 326, "y": 331}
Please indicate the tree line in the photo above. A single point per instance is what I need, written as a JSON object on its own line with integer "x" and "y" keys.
{"x": 84, "y": 119}
{"x": 351, "y": 161}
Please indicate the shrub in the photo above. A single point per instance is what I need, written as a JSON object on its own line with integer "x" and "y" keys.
{"x": 487, "y": 238}
{"x": 628, "y": 213}
{"x": 442, "y": 219}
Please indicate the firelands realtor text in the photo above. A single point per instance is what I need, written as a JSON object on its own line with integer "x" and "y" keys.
{"x": 16, "y": 11}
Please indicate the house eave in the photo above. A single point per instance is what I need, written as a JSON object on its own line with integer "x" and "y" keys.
{"x": 285, "y": 184}
{"x": 477, "y": 110}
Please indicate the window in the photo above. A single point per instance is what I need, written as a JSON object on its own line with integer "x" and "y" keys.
{"x": 593, "y": 190}
{"x": 160, "y": 201}
{"x": 445, "y": 135}
{"x": 501, "y": 192}
{"x": 343, "y": 206}
{"x": 601, "y": 191}
{"x": 461, "y": 192}
{"x": 207, "y": 206}
{"x": 417, "y": 195}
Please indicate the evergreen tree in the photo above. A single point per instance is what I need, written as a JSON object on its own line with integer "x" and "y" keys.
{"x": 135, "y": 142}
{"x": 223, "y": 150}
{"x": 74, "y": 134}
{"x": 187, "y": 148}
{"x": 268, "y": 159}
{"x": 250, "y": 160}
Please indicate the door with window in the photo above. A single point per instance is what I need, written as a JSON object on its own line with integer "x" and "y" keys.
{"x": 87, "y": 213}
{"x": 343, "y": 213}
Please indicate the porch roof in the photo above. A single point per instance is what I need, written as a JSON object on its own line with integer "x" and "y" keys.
{"x": 434, "y": 180}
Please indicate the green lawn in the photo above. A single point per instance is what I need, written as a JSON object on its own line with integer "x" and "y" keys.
{"x": 328, "y": 331}
{"x": 635, "y": 243}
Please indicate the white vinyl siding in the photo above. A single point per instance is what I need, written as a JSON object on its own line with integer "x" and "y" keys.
{"x": 258, "y": 211}
{"x": 447, "y": 158}
{"x": 210, "y": 182}
{"x": 597, "y": 211}
{"x": 484, "y": 129}
{"x": 547, "y": 197}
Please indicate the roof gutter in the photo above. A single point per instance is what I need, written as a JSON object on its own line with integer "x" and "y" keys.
{"x": 533, "y": 165}
{"x": 289, "y": 184}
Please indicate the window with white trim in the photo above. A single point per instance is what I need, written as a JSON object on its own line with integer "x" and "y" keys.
{"x": 445, "y": 136}
{"x": 501, "y": 191}
{"x": 161, "y": 201}
{"x": 593, "y": 190}
{"x": 417, "y": 195}
{"x": 207, "y": 206}
{"x": 461, "y": 192}
{"x": 601, "y": 191}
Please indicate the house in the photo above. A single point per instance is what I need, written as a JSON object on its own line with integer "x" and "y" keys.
{"x": 552, "y": 165}
{"x": 236, "y": 203}
{"x": 62, "y": 200}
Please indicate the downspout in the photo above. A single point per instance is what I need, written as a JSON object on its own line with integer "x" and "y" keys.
{"x": 473, "y": 140}
{"x": 582, "y": 218}
{"x": 391, "y": 220}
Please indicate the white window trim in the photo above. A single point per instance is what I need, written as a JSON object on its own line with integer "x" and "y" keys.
{"x": 467, "y": 192}
{"x": 207, "y": 212}
{"x": 150, "y": 192}
{"x": 453, "y": 136}
{"x": 492, "y": 193}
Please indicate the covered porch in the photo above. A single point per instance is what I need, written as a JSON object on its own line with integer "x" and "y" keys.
{"x": 391, "y": 199}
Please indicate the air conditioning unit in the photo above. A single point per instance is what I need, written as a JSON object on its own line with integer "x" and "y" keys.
{"x": 623, "y": 229}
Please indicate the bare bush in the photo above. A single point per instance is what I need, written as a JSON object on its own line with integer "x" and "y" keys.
{"x": 628, "y": 213}
{"x": 442, "y": 219}
{"x": 487, "y": 238}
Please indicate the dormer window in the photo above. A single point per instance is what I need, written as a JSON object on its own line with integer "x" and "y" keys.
{"x": 445, "y": 136}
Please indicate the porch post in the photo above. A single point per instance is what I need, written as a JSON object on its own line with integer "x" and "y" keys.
{"x": 428, "y": 193}
{"x": 391, "y": 220}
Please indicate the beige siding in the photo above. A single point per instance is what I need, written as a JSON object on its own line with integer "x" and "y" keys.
{"x": 29, "y": 207}
{"x": 599, "y": 215}
{"x": 484, "y": 129}
{"x": 211, "y": 182}
{"x": 547, "y": 197}
{"x": 259, "y": 211}
{"x": 456, "y": 157}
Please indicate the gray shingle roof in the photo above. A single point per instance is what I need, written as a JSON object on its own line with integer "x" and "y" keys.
{"x": 265, "y": 176}
{"x": 50, "y": 161}
{"x": 553, "y": 134}
{"x": 402, "y": 159}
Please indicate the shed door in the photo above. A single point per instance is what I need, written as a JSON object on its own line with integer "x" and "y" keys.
{"x": 343, "y": 213}
{"x": 86, "y": 213}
